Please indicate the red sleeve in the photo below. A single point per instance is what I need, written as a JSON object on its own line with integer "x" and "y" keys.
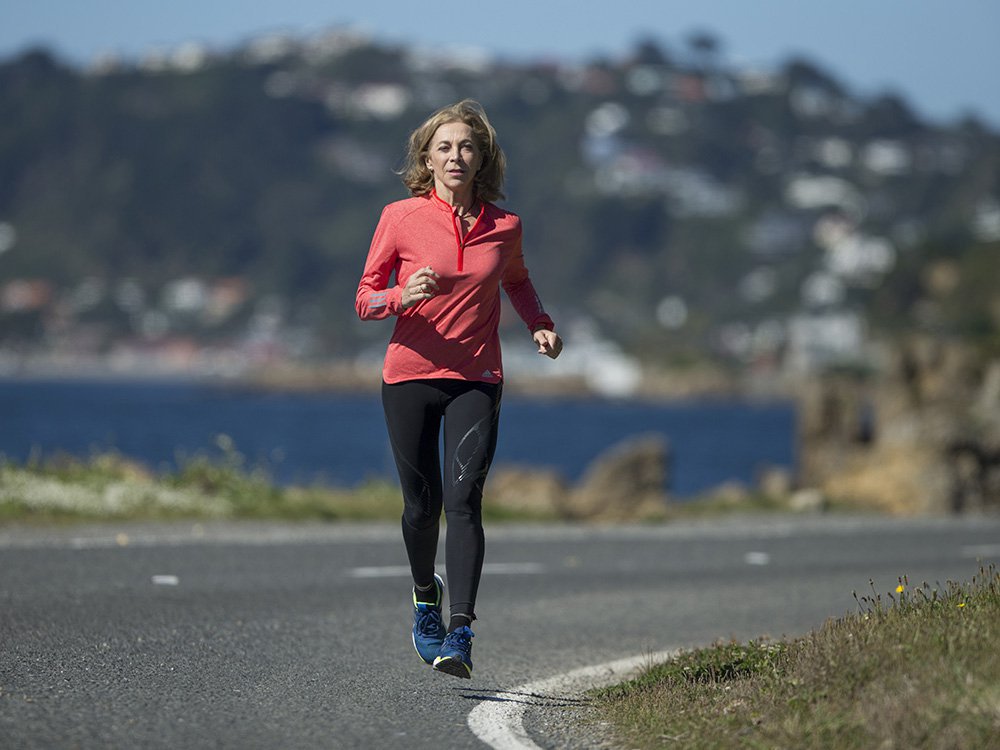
{"x": 375, "y": 299}
{"x": 521, "y": 291}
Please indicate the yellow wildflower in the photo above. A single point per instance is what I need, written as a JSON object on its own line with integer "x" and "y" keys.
{"x": 961, "y": 604}
{"x": 900, "y": 588}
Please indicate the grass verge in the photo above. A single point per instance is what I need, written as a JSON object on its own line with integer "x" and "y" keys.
{"x": 110, "y": 487}
{"x": 918, "y": 668}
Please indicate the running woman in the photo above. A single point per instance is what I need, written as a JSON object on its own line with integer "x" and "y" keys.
{"x": 437, "y": 263}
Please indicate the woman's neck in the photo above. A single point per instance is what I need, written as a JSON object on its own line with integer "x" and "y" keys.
{"x": 463, "y": 201}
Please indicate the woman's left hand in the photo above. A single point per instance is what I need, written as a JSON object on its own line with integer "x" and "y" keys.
{"x": 548, "y": 342}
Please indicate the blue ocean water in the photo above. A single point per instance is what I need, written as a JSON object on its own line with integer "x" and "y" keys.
{"x": 340, "y": 439}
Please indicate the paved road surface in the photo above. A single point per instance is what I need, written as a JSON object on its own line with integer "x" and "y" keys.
{"x": 276, "y": 636}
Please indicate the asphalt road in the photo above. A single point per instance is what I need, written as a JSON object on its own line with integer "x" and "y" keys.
{"x": 276, "y": 636}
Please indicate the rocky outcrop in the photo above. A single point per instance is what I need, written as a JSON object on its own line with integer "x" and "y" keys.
{"x": 974, "y": 454}
{"x": 527, "y": 492}
{"x": 923, "y": 436}
{"x": 626, "y": 483}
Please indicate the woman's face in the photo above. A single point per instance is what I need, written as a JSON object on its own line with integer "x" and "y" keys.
{"x": 453, "y": 157}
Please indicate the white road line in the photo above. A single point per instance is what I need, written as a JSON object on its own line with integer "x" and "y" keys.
{"x": 757, "y": 558}
{"x": 981, "y": 550}
{"x": 403, "y": 571}
{"x": 525, "y": 568}
{"x": 500, "y": 722}
{"x": 380, "y": 571}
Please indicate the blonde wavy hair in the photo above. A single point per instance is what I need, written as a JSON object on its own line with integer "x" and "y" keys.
{"x": 488, "y": 182}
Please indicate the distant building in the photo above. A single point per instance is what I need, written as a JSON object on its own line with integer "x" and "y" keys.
{"x": 986, "y": 220}
{"x": 888, "y": 158}
{"x": 760, "y": 82}
{"x": 820, "y": 340}
{"x": 823, "y": 191}
{"x": 380, "y": 101}
{"x": 25, "y": 295}
{"x": 185, "y": 296}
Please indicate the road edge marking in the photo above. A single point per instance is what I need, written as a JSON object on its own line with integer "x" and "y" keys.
{"x": 500, "y": 722}
{"x": 403, "y": 571}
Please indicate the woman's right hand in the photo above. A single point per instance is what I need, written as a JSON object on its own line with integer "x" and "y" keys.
{"x": 421, "y": 285}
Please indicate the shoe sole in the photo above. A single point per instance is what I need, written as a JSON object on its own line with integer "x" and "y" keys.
{"x": 454, "y": 667}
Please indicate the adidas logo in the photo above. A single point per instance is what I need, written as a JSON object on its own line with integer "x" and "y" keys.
{"x": 487, "y": 374}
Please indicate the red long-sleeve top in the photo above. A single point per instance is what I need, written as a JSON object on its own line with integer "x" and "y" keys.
{"x": 454, "y": 334}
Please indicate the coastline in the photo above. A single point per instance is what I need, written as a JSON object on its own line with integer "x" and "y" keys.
{"x": 696, "y": 383}
{"x": 919, "y": 434}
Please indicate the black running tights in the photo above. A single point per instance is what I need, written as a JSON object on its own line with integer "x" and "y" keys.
{"x": 414, "y": 413}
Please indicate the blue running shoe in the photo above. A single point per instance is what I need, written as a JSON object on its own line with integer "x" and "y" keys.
{"x": 428, "y": 629}
{"x": 456, "y": 653}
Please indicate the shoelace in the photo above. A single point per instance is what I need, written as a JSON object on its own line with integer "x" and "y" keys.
{"x": 460, "y": 640}
{"x": 428, "y": 619}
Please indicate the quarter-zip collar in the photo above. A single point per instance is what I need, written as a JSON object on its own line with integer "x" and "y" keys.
{"x": 456, "y": 224}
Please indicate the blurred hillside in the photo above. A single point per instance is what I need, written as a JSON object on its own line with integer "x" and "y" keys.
{"x": 213, "y": 210}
